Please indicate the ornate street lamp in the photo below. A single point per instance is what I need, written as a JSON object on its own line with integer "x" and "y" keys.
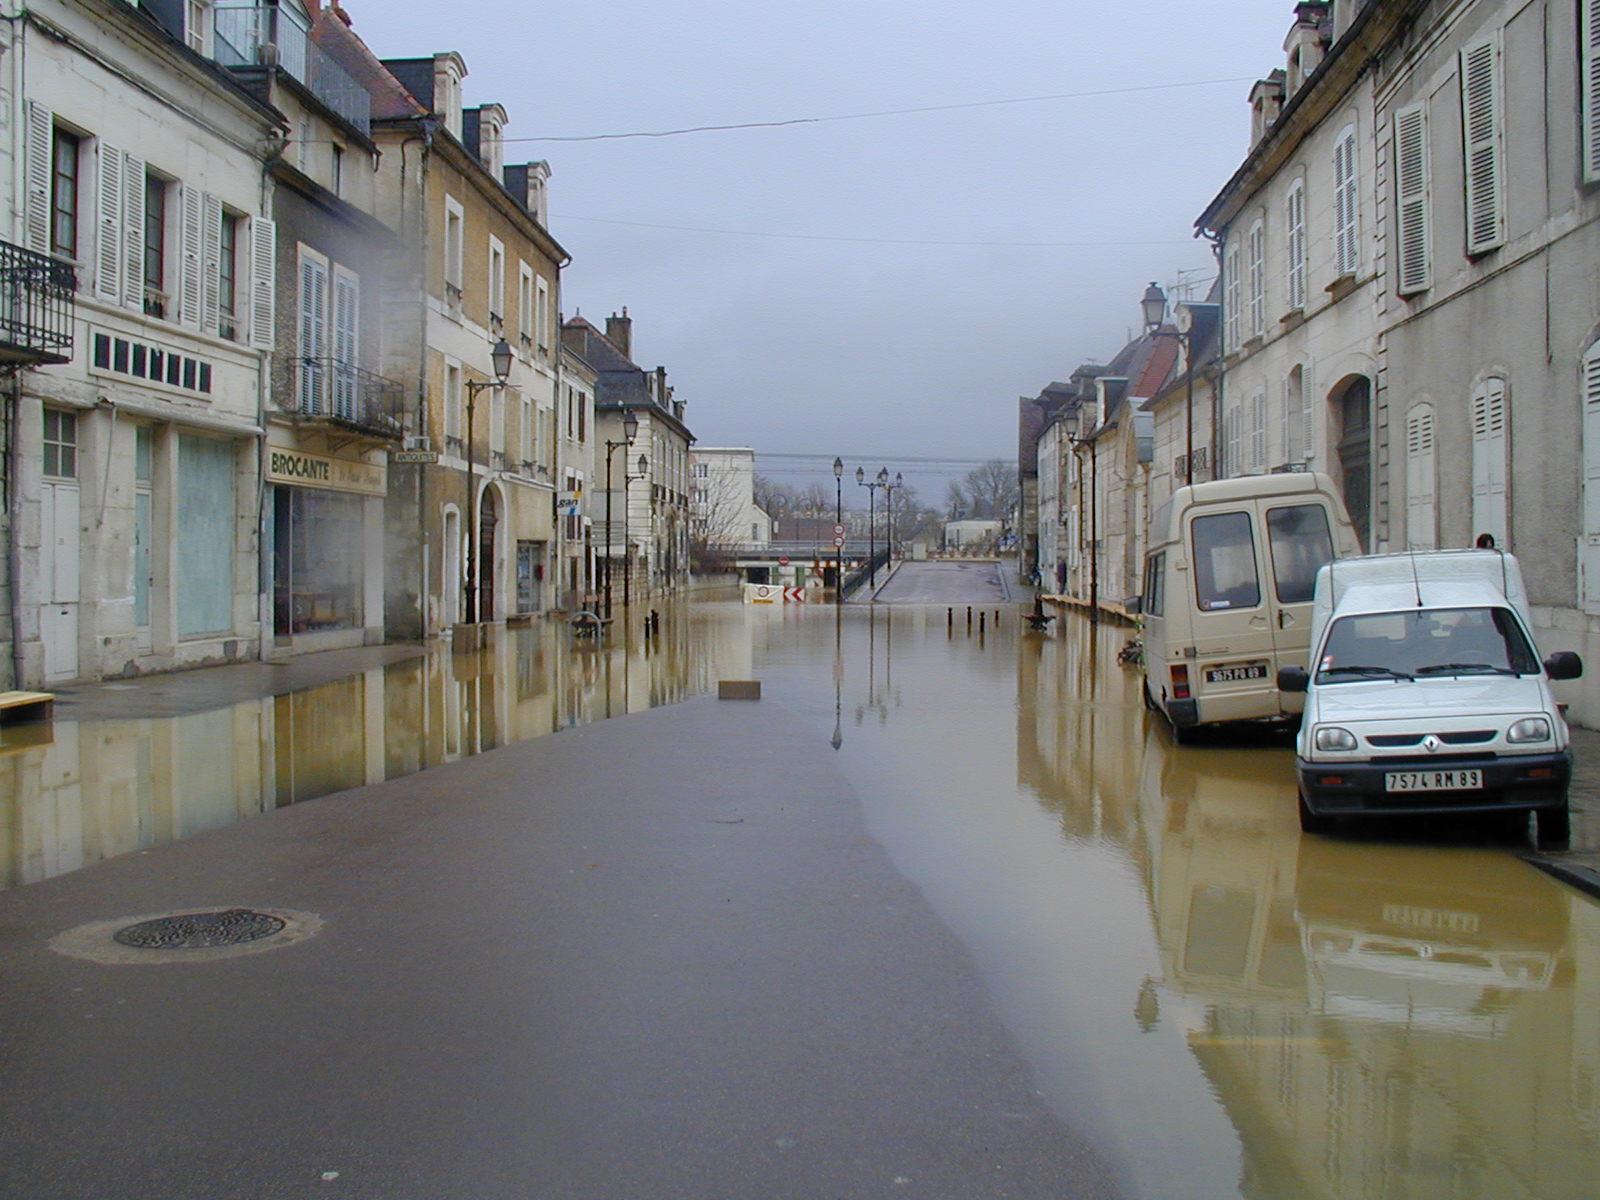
{"x": 838, "y": 522}
{"x": 500, "y": 359}
{"x": 627, "y": 503}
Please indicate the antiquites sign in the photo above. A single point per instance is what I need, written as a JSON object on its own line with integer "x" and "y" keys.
{"x": 300, "y": 469}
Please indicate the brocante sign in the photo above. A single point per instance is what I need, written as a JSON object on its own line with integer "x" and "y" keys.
{"x": 300, "y": 469}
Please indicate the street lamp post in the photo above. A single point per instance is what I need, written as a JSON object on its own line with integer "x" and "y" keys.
{"x": 1071, "y": 423}
{"x": 872, "y": 485}
{"x": 627, "y": 503}
{"x": 630, "y": 429}
{"x": 1154, "y": 304}
{"x": 500, "y": 357}
{"x": 889, "y": 489}
{"x": 838, "y": 523}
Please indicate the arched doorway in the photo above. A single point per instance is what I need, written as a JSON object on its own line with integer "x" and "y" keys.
{"x": 488, "y": 522}
{"x": 1352, "y": 406}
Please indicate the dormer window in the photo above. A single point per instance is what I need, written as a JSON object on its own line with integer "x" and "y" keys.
{"x": 448, "y": 72}
{"x": 197, "y": 25}
{"x": 491, "y": 138}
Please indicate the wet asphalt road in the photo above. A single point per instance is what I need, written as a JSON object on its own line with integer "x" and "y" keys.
{"x": 946, "y": 582}
{"x": 653, "y": 957}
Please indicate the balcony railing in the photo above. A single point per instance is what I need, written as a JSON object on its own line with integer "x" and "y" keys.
{"x": 263, "y": 35}
{"x": 37, "y": 303}
{"x": 342, "y": 394}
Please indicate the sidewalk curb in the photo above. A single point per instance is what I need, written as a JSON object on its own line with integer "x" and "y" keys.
{"x": 1583, "y": 879}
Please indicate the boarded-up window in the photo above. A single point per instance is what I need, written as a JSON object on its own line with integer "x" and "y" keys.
{"x": 205, "y": 535}
{"x": 1490, "y": 449}
{"x": 1421, "y": 489}
{"x": 1411, "y": 198}
{"x": 1482, "y": 145}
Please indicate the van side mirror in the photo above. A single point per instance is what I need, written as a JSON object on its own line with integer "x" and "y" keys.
{"x": 1293, "y": 679}
{"x": 1563, "y": 664}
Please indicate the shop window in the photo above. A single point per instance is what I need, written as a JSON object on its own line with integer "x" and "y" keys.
{"x": 318, "y": 552}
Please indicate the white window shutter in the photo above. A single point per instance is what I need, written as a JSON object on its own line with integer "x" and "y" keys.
{"x": 1297, "y": 246}
{"x": 1589, "y": 85}
{"x": 1481, "y": 144}
{"x": 313, "y": 334}
{"x": 345, "y": 308}
{"x": 1308, "y": 411}
{"x": 133, "y": 171}
{"x": 1232, "y": 297}
{"x": 1346, "y": 205}
{"x": 210, "y": 262}
{"x": 1258, "y": 431}
{"x": 190, "y": 288}
{"x": 1421, "y": 488}
{"x": 1414, "y": 269}
{"x": 1258, "y": 280}
{"x": 38, "y": 160}
{"x": 1489, "y": 444}
{"x": 1589, "y": 543}
{"x": 110, "y": 222}
{"x": 263, "y": 241}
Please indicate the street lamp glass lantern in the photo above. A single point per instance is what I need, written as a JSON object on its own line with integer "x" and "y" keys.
{"x": 897, "y": 479}
{"x": 838, "y": 468}
{"x": 883, "y": 476}
{"x": 861, "y": 476}
{"x": 1154, "y": 304}
{"x": 501, "y": 357}
{"x": 644, "y": 465}
{"x": 630, "y": 424}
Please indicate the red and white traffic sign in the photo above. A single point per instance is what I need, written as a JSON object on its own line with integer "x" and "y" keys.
{"x": 783, "y": 560}
{"x": 839, "y": 541}
{"x": 838, "y": 532}
{"x": 794, "y": 595}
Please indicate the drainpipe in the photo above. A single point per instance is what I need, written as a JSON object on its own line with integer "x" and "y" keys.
{"x": 13, "y": 453}
{"x": 425, "y": 140}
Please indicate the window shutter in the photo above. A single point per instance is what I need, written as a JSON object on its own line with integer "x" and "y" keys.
{"x": 1297, "y": 246}
{"x": 1232, "y": 297}
{"x": 1258, "y": 280}
{"x": 133, "y": 171}
{"x": 1411, "y": 198}
{"x": 210, "y": 262}
{"x": 38, "y": 161}
{"x": 263, "y": 281}
{"x": 1489, "y": 443}
{"x": 1480, "y": 124}
{"x": 1421, "y": 490}
{"x": 109, "y": 225}
{"x": 1589, "y": 82}
{"x": 1308, "y": 411}
{"x": 1346, "y": 206}
{"x": 190, "y": 288}
{"x": 1258, "y": 431}
{"x": 1589, "y": 544}
{"x": 345, "y": 307}
{"x": 313, "y": 334}
{"x": 1293, "y": 418}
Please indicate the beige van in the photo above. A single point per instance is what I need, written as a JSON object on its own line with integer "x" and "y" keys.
{"x": 1228, "y": 582}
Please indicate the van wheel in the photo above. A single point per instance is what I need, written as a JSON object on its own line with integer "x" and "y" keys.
{"x": 1554, "y": 826}
{"x": 1311, "y": 822}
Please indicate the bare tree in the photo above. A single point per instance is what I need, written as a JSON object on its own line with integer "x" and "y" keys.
{"x": 991, "y": 488}
{"x": 956, "y": 501}
{"x": 771, "y": 496}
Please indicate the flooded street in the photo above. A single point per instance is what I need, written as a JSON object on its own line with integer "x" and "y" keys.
{"x": 1225, "y": 1006}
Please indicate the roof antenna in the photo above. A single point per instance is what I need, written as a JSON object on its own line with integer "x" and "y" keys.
{"x": 1415, "y": 582}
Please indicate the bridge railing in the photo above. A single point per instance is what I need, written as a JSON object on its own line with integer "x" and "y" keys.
{"x": 854, "y": 579}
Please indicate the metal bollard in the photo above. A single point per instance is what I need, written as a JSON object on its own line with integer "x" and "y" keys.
{"x": 969, "y": 618}
{"x": 981, "y": 616}
{"x": 949, "y": 621}
{"x": 655, "y": 621}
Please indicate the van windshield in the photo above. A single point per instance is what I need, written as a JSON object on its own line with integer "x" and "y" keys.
{"x": 1426, "y": 643}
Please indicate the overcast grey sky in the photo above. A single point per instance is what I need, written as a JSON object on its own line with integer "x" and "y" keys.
{"x": 885, "y": 349}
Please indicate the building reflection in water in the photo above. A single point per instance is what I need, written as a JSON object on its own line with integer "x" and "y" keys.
{"x": 79, "y": 792}
{"x": 1377, "y": 1019}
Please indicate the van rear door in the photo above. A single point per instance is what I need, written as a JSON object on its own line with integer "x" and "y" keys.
{"x": 1233, "y": 674}
{"x": 1299, "y": 542}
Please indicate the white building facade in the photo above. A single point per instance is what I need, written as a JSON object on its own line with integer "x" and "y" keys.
{"x": 723, "y": 498}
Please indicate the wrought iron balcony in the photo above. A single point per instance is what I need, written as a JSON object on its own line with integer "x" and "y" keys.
{"x": 345, "y": 395}
{"x": 265, "y": 35}
{"x": 37, "y": 303}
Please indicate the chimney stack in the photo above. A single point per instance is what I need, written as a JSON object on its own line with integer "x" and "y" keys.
{"x": 619, "y": 332}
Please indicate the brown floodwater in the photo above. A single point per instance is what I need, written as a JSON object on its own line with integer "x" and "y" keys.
{"x": 1228, "y": 1007}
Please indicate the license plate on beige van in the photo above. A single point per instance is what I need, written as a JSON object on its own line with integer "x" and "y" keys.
{"x": 1236, "y": 672}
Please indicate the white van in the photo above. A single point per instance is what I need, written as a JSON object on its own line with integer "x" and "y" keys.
{"x": 1425, "y": 695}
{"x": 1227, "y": 594}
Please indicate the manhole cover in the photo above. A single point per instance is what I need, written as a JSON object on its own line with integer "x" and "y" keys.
{"x": 200, "y": 931}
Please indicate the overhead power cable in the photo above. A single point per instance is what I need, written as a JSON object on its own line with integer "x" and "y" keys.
{"x": 882, "y": 112}
{"x": 870, "y": 241}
